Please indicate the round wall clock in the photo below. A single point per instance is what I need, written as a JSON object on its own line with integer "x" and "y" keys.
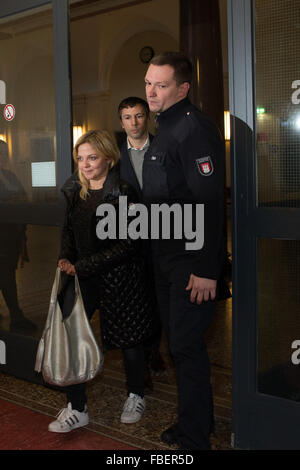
{"x": 146, "y": 54}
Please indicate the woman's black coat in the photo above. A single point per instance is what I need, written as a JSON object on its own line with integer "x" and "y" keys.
{"x": 125, "y": 298}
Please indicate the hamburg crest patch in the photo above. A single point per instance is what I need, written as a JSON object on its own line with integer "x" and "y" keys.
{"x": 205, "y": 166}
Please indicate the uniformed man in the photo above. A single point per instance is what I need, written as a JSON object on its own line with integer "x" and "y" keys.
{"x": 184, "y": 164}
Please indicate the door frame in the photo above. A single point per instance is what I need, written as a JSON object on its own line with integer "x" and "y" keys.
{"x": 50, "y": 213}
{"x": 259, "y": 421}
{"x": 20, "y": 349}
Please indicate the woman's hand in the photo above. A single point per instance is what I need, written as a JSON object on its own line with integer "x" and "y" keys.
{"x": 67, "y": 267}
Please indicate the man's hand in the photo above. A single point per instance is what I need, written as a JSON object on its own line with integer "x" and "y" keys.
{"x": 202, "y": 289}
{"x": 67, "y": 267}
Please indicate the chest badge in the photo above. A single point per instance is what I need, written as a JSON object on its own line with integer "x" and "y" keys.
{"x": 205, "y": 166}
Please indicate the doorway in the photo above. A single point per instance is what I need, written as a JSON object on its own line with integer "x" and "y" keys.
{"x": 264, "y": 56}
{"x": 100, "y": 80}
{"x": 34, "y": 135}
{"x": 116, "y": 37}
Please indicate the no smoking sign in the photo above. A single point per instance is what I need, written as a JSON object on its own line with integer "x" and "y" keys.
{"x": 9, "y": 112}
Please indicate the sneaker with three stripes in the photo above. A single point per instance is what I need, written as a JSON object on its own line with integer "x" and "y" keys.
{"x": 69, "y": 419}
{"x": 133, "y": 409}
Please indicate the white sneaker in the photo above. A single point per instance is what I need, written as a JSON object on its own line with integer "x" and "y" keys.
{"x": 133, "y": 409}
{"x": 68, "y": 419}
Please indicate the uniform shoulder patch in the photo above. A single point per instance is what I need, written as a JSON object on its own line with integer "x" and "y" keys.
{"x": 205, "y": 166}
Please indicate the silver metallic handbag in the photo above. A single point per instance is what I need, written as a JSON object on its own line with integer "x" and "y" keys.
{"x": 68, "y": 352}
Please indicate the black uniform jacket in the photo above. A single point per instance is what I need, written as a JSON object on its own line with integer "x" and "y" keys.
{"x": 185, "y": 165}
{"x": 127, "y": 171}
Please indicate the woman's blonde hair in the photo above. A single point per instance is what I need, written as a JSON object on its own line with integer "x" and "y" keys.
{"x": 102, "y": 142}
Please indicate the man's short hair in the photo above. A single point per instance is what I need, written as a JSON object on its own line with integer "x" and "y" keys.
{"x": 183, "y": 69}
{"x": 131, "y": 102}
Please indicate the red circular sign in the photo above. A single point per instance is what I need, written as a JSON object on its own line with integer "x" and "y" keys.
{"x": 9, "y": 112}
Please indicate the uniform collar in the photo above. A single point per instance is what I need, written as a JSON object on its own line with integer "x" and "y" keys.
{"x": 172, "y": 110}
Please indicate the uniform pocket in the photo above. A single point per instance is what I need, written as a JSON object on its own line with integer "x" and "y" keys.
{"x": 155, "y": 184}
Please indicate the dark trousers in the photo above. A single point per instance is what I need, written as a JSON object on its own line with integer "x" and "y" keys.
{"x": 185, "y": 324}
{"x": 133, "y": 357}
{"x": 134, "y": 368}
{"x": 152, "y": 344}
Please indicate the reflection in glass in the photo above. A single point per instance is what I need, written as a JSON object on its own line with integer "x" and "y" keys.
{"x": 278, "y": 317}
{"x": 27, "y": 70}
{"x": 278, "y": 107}
{"x": 12, "y": 245}
{"x": 28, "y": 257}
{"x": 28, "y": 253}
{"x": 10, "y": 187}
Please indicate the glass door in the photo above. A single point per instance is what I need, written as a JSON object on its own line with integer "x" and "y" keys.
{"x": 35, "y": 160}
{"x": 265, "y": 106}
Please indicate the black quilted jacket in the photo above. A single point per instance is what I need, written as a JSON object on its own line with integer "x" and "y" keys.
{"x": 125, "y": 306}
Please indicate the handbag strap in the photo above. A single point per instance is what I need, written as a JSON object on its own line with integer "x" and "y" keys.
{"x": 77, "y": 287}
{"x": 55, "y": 286}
